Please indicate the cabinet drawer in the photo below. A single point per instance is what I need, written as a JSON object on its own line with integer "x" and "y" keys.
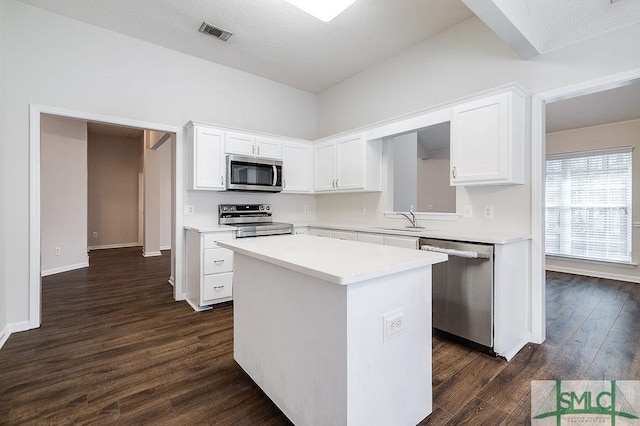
{"x": 217, "y": 286}
{"x": 340, "y": 235}
{"x": 211, "y": 238}
{"x": 217, "y": 260}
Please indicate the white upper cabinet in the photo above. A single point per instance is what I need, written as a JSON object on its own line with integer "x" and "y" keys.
{"x": 206, "y": 158}
{"x": 297, "y": 168}
{"x": 325, "y": 167}
{"x": 348, "y": 164}
{"x": 252, "y": 146}
{"x": 487, "y": 141}
{"x": 268, "y": 148}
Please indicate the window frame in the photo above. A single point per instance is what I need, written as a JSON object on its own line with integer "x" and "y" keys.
{"x": 628, "y": 206}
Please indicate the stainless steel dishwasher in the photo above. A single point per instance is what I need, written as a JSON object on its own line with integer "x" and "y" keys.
{"x": 463, "y": 292}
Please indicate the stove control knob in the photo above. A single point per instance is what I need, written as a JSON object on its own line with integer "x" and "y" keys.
{"x": 232, "y": 208}
{"x": 225, "y": 208}
{"x": 261, "y": 208}
{"x": 268, "y": 207}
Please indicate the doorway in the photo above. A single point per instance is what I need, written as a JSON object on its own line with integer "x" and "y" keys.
{"x": 35, "y": 267}
{"x": 538, "y": 158}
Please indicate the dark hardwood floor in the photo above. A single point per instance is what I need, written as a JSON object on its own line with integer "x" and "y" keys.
{"x": 114, "y": 348}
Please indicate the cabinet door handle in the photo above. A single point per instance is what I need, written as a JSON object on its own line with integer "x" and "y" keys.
{"x": 218, "y": 288}
{"x": 454, "y": 173}
{"x": 284, "y": 183}
{"x": 221, "y": 180}
{"x": 258, "y": 149}
{"x": 253, "y": 149}
{"x": 218, "y": 262}
{"x": 337, "y": 186}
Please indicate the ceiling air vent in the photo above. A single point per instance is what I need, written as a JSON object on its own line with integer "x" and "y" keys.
{"x": 215, "y": 31}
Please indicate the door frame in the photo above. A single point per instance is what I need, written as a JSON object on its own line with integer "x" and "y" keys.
{"x": 35, "y": 269}
{"x": 538, "y": 153}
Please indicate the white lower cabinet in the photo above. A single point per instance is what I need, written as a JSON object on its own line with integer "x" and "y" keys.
{"x": 320, "y": 232}
{"x": 344, "y": 235}
{"x": 209, "y": 269}
{"x": 364, "y": 237}
{"x": 371, "y": 238}
{"x": 300, "y": 230}
{"x": 399, "y": 241}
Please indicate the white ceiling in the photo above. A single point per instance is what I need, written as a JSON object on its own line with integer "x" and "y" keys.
{"x": 114, "y": 130}
{"x": 271, "y": 38}
{"x": 560, "y": 23}
{"x": 275, "y": 40}
{"x": 610, "y": 106}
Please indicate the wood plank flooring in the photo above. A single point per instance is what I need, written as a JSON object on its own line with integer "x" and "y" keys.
{"x": 114, "y": 348}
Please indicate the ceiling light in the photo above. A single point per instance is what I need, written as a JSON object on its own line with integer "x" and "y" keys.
{"x": 324, "y": 10}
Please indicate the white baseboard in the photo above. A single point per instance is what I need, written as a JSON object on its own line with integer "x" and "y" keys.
{"x": 112, "y": 246}
{"x": 516, "y": 348}
{"x": 596, "y": 274}
{"x": 65, "y": 268}
{"x": 12, "y": 328}
{"x": 151, "y": 253}
{"x": 165, "y": 247}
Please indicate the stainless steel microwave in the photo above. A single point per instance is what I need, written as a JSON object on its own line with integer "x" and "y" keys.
{"x": 253, "y": 174}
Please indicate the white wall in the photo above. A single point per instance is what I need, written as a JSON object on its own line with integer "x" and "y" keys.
{"x": 85, "y": 68}
{"x": 165, "y": 193}
{"x": 466, "y": 59}
{"x": 592, "y": 138}
{"x": 405, "y": 171}
{"x": 434, "y": 191}
{"x": 113, "y": 165}
{"x": 3, "y": 168}
{"x": 151, "y": 158}
{"x": 63, "y": 194}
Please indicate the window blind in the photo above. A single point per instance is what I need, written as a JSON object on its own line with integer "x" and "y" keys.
{"x": 588, "y": 205}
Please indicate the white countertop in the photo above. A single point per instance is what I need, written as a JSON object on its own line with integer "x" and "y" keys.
{"x": 211, "y": 228}
{"x": 337, "y": 261}
{"x": 478, "y": 236}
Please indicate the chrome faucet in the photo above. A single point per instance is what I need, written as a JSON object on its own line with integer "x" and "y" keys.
{"x": 411, "y": 219}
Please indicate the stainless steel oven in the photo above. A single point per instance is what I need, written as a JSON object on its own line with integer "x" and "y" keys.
{"x": 253, "y": 174}
{"x": 252, "y": 220}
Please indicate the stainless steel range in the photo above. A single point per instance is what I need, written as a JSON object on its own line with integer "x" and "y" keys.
{"x": 252, "y": 220}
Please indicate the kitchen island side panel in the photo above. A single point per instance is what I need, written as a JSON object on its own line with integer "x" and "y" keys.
{"x": 317, "y": 348}
{"x": 290, "y": 337}
{"x": 389, "y": 378}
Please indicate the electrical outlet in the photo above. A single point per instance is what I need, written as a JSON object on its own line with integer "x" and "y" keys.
{"x": 363, "y": 209}
{"x": 189, "y": 209}
{"x": 488, "y": 212}
{"x": 393, "y": 324}
{"x": 306, "y": 209}
{"x": 95, "y": 234}
{"x": 467, "y": 211}
{"x": 56, "y": 251}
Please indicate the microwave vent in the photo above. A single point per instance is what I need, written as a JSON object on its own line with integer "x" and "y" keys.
{"x": 215, "y": 31}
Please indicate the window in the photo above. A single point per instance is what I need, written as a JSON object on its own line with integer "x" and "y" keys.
{"x": 588, "y": 205}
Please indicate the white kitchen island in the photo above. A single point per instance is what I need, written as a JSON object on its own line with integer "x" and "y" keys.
{"x": 335, "y": 332}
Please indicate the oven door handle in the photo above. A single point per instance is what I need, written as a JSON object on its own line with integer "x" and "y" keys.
{"x": 457, "y": 253}
{"x": 275, "y": 175}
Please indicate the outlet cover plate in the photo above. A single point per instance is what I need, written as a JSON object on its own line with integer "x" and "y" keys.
{"x": 393, "y": 324}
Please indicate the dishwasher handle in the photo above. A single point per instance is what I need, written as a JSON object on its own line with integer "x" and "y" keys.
{"x": 458, "y": 253}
